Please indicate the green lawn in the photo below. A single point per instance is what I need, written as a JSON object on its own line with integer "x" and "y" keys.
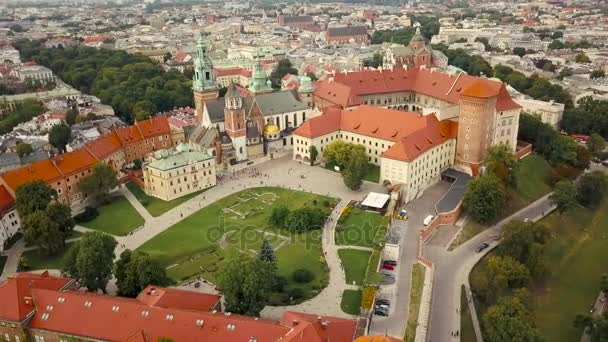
{"x": 531, "y": 180}
{"x": 467, "y": 331}
{"x": 351, "y": 302}
{"x": 355, "y": 264}
{"x": 39, "y": 261}
{"x": 574, "y": 259}
{"x": 361, "y": 228}
{"x": 157, "y": 206}
{"x": 415, "y": 298}
{"x": 200, "y": 244}
{"x": 117, "y": 218}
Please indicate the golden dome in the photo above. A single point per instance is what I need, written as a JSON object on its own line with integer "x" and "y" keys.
{"x": 271, "y": 129}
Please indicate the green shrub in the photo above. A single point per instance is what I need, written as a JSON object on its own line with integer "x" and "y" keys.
{"x": 302, "y": 276}
{"x": 89, "y": 214}
{"x": 296, "y": 293}
{"x": 278, "y": 298}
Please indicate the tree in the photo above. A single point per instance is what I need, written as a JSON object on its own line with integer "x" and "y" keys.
{"x": 564, "y": 150}
{"x": 519, "y": 51}
{"x": 339, "y": 153}
{"x": 502, "y": 163}
{"x": 99, "y": 183}
{"x": 592, "y": 188}
{"x": 604, "y": 283}
{"x": 484, "y": 198}
{"x": 564, "y": 196}
{"x": 43, "y": 232}
{"x": 284, "y": 67}
{"x": 246, "y": 284}
{"x": 583, "y": 157}
{"x": 355, "y": 169}
{"x": 33, "y": 196}
{"x": 91, "y": 260}
{"x": 596, "y": 144}
{"x": 556, "y": 45}
{"x": 305, "y": 219}
{"x": 61, "y": 215}
{"x": 167, "y": 57}
{"x": 525, "y": 242}
{"x": 312, "y": 76}
{"x": 375, "y": 62}
{"x": 278, "y": 216}
{"x": 17, "y": 28}
{"x": 24, "y": 149}
{"x": 59, "y": 136}
{"x": 313, "y": 154}
{"x": 509, "y": 320}
{"x": 582, "y": 58}
{"x": 597, "y": 74}
{"x": 134, "y": 271}
{"x": 504, "y": 272}
{"x": 70, "y": 116}
{"x": 266, "y": 252}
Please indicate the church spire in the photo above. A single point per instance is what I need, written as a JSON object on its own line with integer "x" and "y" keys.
{"x": 203, "y": 78}
{"x": 259, "y": 82}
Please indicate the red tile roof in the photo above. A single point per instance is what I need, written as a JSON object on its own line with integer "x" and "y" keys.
{"x": 480, "y": 90}
{"x": 44, "y": 170}
{"x": 425, "y": 81}
{"x": 6, "y": 199}
{"x": 154, "y": 127}
{"x": 412, "y": 133}
{"x": 232, "y": 71}
{"x": 178, "y": 299}
{"x": 310, "y": 328}
{"x": 16, "y": 297}
{"x": 76, "y": 161}
{"x": 123, "y": 319}
{"x": 104, "y": 145}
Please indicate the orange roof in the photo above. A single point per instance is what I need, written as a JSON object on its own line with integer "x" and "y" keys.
{"x": 232, "y": 71}
{"x": 104, "y": 145}
{"x": 349, "y": 86}
{"x": 154, "y": 127}
{"x": 6, "y": 199}
{"x": 44, "y": 170}
{"x": 128, "y": 135}
{"x": 178, "y": 299}
{"x": 16, "y": 297}
{"x": 112, "y": 318}
{"x": 378, "y": 338}
{"x": 311, "y": 328}
{"x": 412, "y": 133}
{"x": 75, "y": 161}
{"x": 479, "y": 89}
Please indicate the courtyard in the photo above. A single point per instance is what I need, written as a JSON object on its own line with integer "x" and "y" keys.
{"x": 117, "y": 218}
{"x": 361, "y": 228}
{"x": 199, "y": 245}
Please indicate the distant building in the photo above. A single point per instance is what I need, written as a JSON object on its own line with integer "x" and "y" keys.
{"x": 549, "y": 112}
{"x": 171, "y": 174}
{"x": 347, "y": 34}
{"x": 9, "y": 219}
{"x": 9, "y": 53}
{"x": 416, "y": 53}
{"x": 296, "y": 21}
{"x": 60, "y": 43}
{"x": 240, "y": 76}
{"x": 33, "y": 73}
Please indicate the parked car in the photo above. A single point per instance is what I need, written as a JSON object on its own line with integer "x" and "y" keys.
{"x": 382, "y": 306}
{"x": 388, "y": 267}
{"x": 389, "y": 262}
{"x": 383, "y": 301}
{"x": 482, "y": 247}
{"x": 381, "y": 312}
{"x": 428, "y": 219}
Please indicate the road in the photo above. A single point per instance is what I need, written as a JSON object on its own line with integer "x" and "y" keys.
{"x": 398, "y": 294}
{"x": 453, "y": 268}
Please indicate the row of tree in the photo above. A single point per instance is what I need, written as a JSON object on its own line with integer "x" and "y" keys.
{"x": 298, "y": 220}
{"x": 24, "y": 111}
{"x": 134, "y": 85}
{"x": 591, "y": 116}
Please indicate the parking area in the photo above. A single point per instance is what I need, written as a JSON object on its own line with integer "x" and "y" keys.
{"x": 407, "y": 231}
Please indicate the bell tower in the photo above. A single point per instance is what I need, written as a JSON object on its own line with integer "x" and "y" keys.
{"x": 203, "y": 81}
{"x": 234, "y": 121}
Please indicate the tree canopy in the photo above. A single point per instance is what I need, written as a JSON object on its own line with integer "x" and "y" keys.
{"x": 484, "y": 198}
{"x": 564, "y": 196}
{"x": 99, "y": 183}
{"x": 510, "y": 320}
{"x": 284, "y": 67}
{"x": 592, "y": 188}
{"x": 33, "y": 196}
{"x": 591, "y": 116}
{"x": 23, "y": 112}
{"x": 136, "y": 270}
{"x": 355, "y": 169}
{"x": 91, "y": 260}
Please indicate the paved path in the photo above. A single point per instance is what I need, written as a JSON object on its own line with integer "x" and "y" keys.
{"x": 13, "y": 255}
{"x": 135, "y": 203}
{"x": 453, "y": 269}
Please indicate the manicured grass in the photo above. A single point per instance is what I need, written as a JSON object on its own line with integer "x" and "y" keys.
{"x": 39, "y": 261}
{"x": 200, "y": 244}
{"x": 467, "y": 332}
{"x": 351, "y": 302}
{"x": 116, "y": 218}
{"x": 531, "y": 180}
{"x": 372, "y": 173}
{"x": 574, "y": 259}
{"x": 157, "y": 206}
{"x": 418, "y": 272}
{"x": 355, "y": 264}
{"x": 361, "y": 228}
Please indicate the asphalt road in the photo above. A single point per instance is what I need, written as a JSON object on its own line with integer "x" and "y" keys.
{"x": 452, "y": 270}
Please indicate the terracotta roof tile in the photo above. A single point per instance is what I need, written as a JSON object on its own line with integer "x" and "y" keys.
{"x": 6, "y": 199}
{"x": 479, "y": 89}
{"x": 16, "y": 297}
{"x": 44, "y": 170}
{"x": 178, "y": 299}
{"x": 154, "y": 127}
{"x": 104, "y": 145}
{"x": 76, "y": 161}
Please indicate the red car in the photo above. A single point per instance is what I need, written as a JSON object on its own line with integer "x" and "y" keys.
{"x": 388, "y": 267}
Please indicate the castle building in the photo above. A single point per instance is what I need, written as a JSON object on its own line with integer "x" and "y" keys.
{"x": 170, "y": 174}
{"x": 414, "y": 122}
{"x": 233, "y": 128}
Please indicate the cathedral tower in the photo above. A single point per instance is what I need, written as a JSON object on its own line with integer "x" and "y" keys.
{"x": 234, "y": 121}
{"x": 259, "y": 83}
{"x": 203, "y": 81}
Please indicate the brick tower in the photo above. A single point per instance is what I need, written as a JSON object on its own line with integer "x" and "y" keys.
{"x": 203, "y": 81}
{"x": 234, "y": 122}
